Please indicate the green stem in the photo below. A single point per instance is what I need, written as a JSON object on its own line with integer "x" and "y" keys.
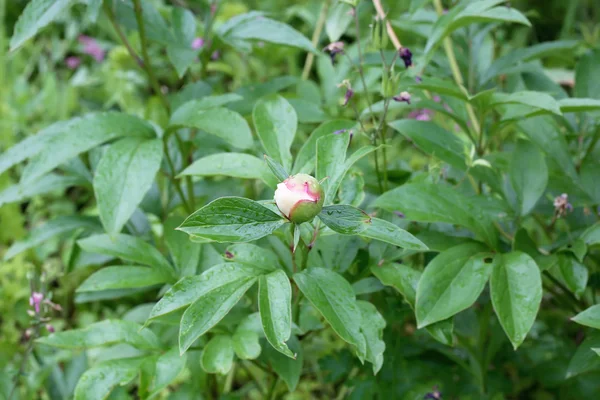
{"x": 315, "y": 39}
{"x": 111, "y": 17}
{"x": 172, "y": 175}
{"x": 361, "y": 62}
{"x": 271, "y": 394}
{"x": 137, "y": 7}
{"x": 449, "y": 50}
{"x": 566, "y": 290}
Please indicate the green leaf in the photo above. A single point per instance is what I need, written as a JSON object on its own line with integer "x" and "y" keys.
{"x": 345, "y": 219}
{"x": 540, "y": 100}
{"x": 246, "y": 344}
{"x": 591, "y": 235}
{"x": 441, "y": 86}
{"x": 427, "y": 202}
{"x": 277, "y": 169}
{"x": 164, "y": 371}
{"x": 128, "y": 248}
{"x": 352, "y": 188}
{"x": 97, "y": 382}
{"x": 50, "y": 229}
{"x": 232, "y": 219}
{"x": 589, "y": 317}
{"x": 573, "y": 273}
{"x": 476, "y": 12}
{"x": 49, "y": 183}
{"x": 209, "y": 309}
{"x": 222, "y": 122}
{"x": 275, "y": 306}
{"x": 519, "y": 55}
{"x": 37, "y": 15}
{"x": 434, "y": 140}
{"x": 275, "y": 122}
{"x": 516, "y": 292}
{"x": 235, "y": 165}
{"x": 545, "y": 133}
{"x": 265, "y": 29}
{"x": 528, "y": 175}
{"x": 585, "y": 358}
{"x": 205, "y": 103}
{"x": 452, "y": 282}
{"x": 82, "y": 134}
{"x": 308, "y": 111}
{"x": 288, "y": 369}
{"x": 578, "y": 105}
{"x": 155, "y": 26}
{"x": 334, "y": 297}
{"x": 338, "y": 19}
{"x": 305, "y": 159}
{"x": 586, "y": 75}
{"x": 123, "y": 177}
{"x": 217, "y": 357}
{"x": 104, "y": 333}
{"x": 122, "y": 277}
{"x": 190, "y": 289}
{"x": 372, "y": 328}
{"x": 184, "y": 252}
{"x": 332, "y": 163}
{"x": 385, "y": 231}
{"x": 180, "y": 52}
{"x": 251, "y": 254}
{"x": 406, "y": 280}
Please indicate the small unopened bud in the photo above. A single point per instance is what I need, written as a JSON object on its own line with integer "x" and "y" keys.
{"x": 300, "y": 198}
{"x": 379, "y": 37}
{"x": 50, "y": 328}
{"x": 403, "y": 97}
{"x": 334, "y": 49}
{"x": 406, "y": 56}
{"x": 73, "y": 62}
{"x": 228, "y": 254}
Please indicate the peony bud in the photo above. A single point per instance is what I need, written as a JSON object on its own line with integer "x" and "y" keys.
{"x": 299, "y": 198}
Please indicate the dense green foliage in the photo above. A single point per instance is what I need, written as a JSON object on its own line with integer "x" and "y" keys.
{"x": 155, "y": 245}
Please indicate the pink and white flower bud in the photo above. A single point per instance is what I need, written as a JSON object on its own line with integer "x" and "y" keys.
{"x": 299, "y": 198}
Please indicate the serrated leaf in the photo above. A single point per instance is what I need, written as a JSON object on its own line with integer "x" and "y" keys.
{"x": 232, "y": 219}
{"x": 104, "y": 333}
{"x": 217, "y": 357}
{"x": 516, "y": 292}
{"x": 275, "y": 306}
{"x": 345, "y": 219}
{"x": 333, "y": 296}
{"x": 452, "y": 282}
{"x": 123, "y": 177}
{"x": 275, "y": 122}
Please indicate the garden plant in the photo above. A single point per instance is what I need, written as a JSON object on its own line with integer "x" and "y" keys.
{"x": 279, "y": 199}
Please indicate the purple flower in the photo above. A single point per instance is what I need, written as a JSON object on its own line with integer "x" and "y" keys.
{"x": 406, "y": 56}
{"x": 339, "y": 131}
{"x": 215, "y": 55}
{"x": 437, "y": 98}
{"x": 197, "y": 43}
{"x": 348, "y": 96}
{"x": 435, "y": 395}
{"x": 421, "y": 115}
{"x": 403, "y": 97}
{"x": 73, "y": 62}
{"x": 92, "y": 48}
{"x": 334, "y": 49}
{"x": 562, "y": 205}
{"x": 399, "y": 214}
{"x": 50, "y": 328}
{"x": 35, "y": 301}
